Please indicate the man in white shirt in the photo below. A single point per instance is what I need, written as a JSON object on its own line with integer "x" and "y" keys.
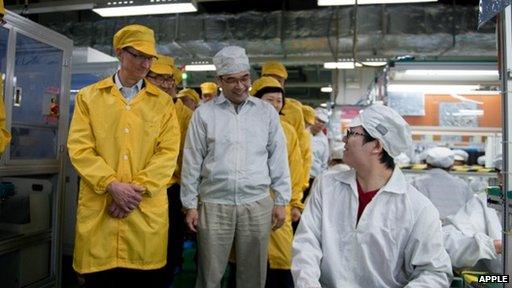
{"x": 394, "y": 241}
{"x": 448, "y": 193}
{"x": 235, "y": 152}
{"x": 319, "y": 143}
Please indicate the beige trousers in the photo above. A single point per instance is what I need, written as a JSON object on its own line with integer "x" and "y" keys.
{"x": 248, "y": 227}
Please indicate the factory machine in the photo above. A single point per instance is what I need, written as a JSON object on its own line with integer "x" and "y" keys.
{"x": 34, "y": 83}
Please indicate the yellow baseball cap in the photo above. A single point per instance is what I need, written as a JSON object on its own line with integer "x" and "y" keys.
{"x": 191, "y": 93}
{"x": 274, "y": 68}
{"x": 309, "y": 114}
{"x": 162, "y": 65}
{"x": 208, "y": 88}
{"x": 141, "y": 38}
{"x": 264, "y": 82}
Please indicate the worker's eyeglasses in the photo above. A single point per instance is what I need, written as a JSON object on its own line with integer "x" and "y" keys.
{"x": 161, "y": 78}
{"x": 352, "y": 133}
{"x": 139, "y": 57}
{"x": 245, "y": 80}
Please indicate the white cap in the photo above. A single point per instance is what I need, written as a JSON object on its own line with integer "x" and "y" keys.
{"x": 497, "y": 163}
{"x": 322, "y": 114}
{"x": 386, "y": 125}
{"x": 481, "y": 160}
{"x": 441, "y": 157}
{"x": 461, "y": 155}
{"x": 231, "y": 59}
{"x": 337, "y": 151}
{"x": 402, "y": 160}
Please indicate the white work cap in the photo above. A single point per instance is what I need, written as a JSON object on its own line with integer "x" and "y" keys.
{"x": 461, "y": 155}
{"x": 231, "y": 59}
{"x": 386, "y": 125}
{"x": 481, "y": 160}
{"x": 402, "y": 160}
{"x": 441, "y": 157}
{"x": 497, "y": 163}
{"x": 337, "y": 152}
{"x": 322, "y": 114}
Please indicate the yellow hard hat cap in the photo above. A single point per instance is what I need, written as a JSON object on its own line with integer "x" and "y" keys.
{"x": 309, "y": 114}
{"x": 191, "y": 93}
{"x": 208, "y": 88}
{"x": 264, "y": 82}
{"x": 162, "y": 65}
{"x": 274, "y": 68}
{"x": 295, "y": 101}
{"x": 141, "y": 38}
{"x": 2, "y": 9}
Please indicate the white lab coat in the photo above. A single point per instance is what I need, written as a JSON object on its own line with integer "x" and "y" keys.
{"x": 397, "y": 242}
{"x": 448, "y": 193}
{"x": 469, "y": 236}
{"x": 320, "y": 150}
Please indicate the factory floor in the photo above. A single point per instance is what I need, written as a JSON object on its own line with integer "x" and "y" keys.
{"x": 183, "y": 279}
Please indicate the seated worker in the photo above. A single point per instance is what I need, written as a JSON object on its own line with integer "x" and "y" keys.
{"x": 460, "y": 157}
{"x": 473, "y": 235}
{"x": 448, "y": 193}
{"x": 367, "y": 227}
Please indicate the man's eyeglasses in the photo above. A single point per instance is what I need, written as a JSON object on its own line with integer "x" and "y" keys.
{"x": 161, "y": 78}
{"x": 139, "y": 57}
{"x": 232, "y": 81}
{"x": 352, "y": 133}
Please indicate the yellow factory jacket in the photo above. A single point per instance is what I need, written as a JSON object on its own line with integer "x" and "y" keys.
{"x": 184, "y": 115}
{"x": 292, "y": 114}
{"x": 280, "y": 242}
{"x": 132, "y": 142}
{"x": 5, "y": 136}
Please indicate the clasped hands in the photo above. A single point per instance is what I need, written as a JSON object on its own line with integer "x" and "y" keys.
{"x": 126, "y": 198}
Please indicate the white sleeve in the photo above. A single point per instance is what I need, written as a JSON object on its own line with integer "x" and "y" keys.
{"x": 194, "y": 153}
{"x": 279, "y": 169}
{"x": 466, "y": 251}
{"x": 307, "y": 247}
{"x": 426, "y": 262}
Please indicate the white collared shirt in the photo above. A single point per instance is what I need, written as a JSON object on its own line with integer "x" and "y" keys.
{"x": 234, "y": 157}
{"x": 320, "y": 152}
{"x": 397, "y": 241}
{"x": 128, "y": 92}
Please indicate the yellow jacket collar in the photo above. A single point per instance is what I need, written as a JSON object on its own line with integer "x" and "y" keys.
{"x": 109, "y": 83}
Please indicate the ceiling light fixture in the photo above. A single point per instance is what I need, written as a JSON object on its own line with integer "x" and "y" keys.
{"x": 367, "y": 2}
{"x": 461, "y": 72}
{"x": 200, "y": 66}
{"x": 141, "y": 7}
{"x": 433, "y": 88}
{"x": 327, "y": 89}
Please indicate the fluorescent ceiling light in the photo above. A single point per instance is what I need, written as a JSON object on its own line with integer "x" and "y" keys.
{"x": 432, "y": 88}
{"x": 326, "y": 89}
{"x": 323, "y": 105}
{"x": 374, "y": 63}
{"x": 367, "y": 2}
{"x": 451, "y": 72}
{"x": 200, "y": 67}
{"x": 341, "y": 65}
{"x": 139, "y": 7}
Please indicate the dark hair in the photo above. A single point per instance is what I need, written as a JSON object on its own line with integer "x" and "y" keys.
{"x": 266, "y": 90}
{"x": 385, "y": 158}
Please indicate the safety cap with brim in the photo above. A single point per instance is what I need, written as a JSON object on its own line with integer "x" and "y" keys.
{"x": 2, "y": 8}
{"x": 177, "y": 75}
{"x": 141, "y": 38}
{"x": 191, "y": 93}
{"x": 231, "y": 59}
{"x": 264, "y": 82}
{"x": 386, "y": 125}
{"x": 441, "y": 157}
{"x": 209, "y": 88}
{"x": 162, "y": 65}
{"x": 461, "y": 155}
{"x": 322, "y": 114}
{"x": 274, "y": 68}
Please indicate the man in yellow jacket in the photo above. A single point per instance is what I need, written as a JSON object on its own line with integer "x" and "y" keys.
{"x": 123, "y": 142}
{"x": 208, "y": 91}
{"x": 166, "y": 76}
